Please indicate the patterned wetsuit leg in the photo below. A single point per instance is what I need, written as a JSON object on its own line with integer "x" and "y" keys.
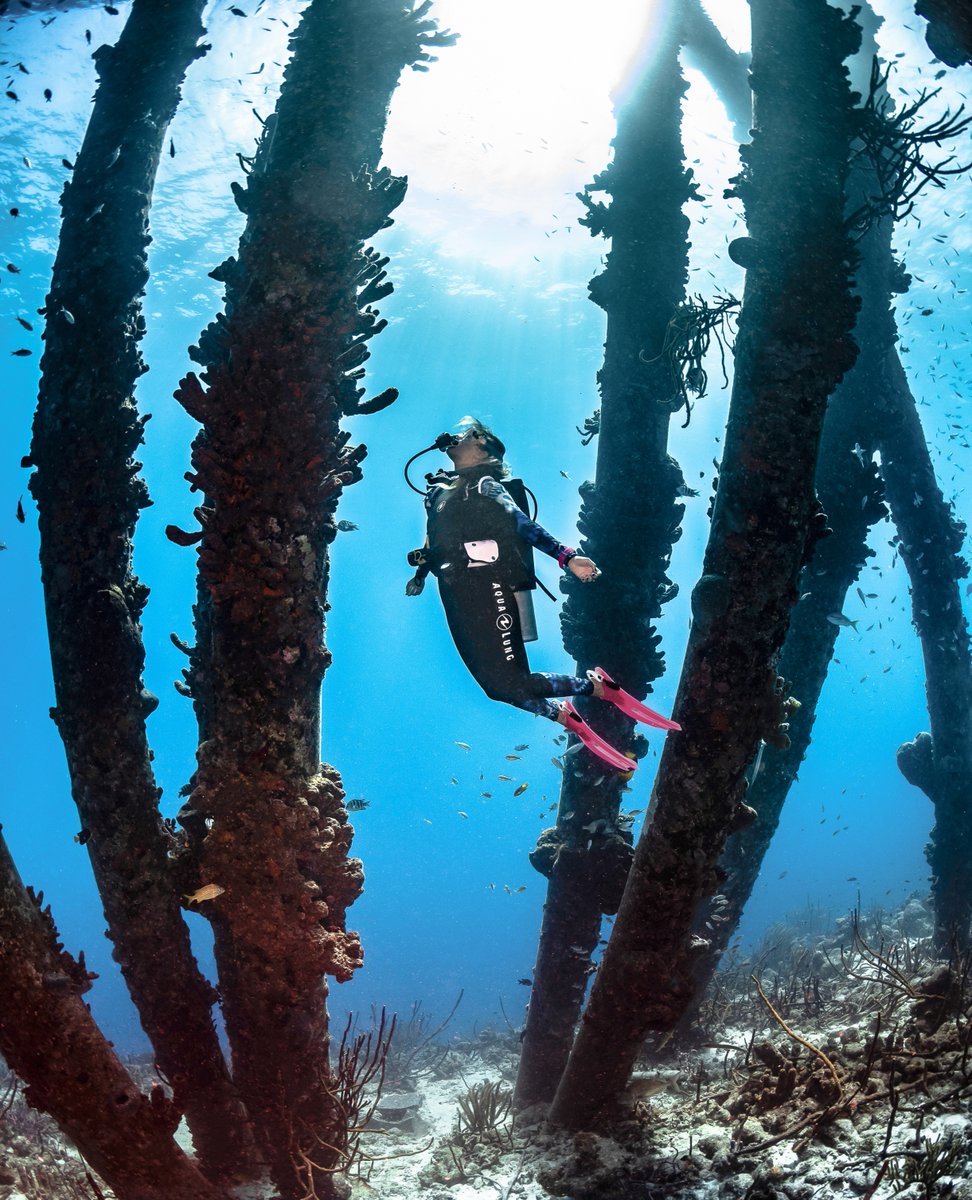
{"x": 485, "y": 625}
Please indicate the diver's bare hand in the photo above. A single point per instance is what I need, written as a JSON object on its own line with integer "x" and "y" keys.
{"x": 584, "y": 568}
{"x": 415, "y": 586}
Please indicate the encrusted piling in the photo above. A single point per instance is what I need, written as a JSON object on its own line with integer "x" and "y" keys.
{"x": 793, "y": 347}
{"x": 48, "y": 1036}
{"x": 629, "y": 521}
{"x": 265, "y": 817}
{"x": 88, "y": 491}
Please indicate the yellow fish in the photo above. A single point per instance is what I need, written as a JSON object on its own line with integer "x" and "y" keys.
{"x": 521, "y": 789}
{"x": 209, "y": 891}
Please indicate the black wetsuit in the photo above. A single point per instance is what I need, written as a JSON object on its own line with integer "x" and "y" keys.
{"x": 476, "y": 535}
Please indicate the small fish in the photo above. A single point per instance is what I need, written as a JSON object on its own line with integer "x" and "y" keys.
{"x": 521, "y": 789}
{"x": 67, "y": 164}
{"x": 111, "y": 10}
{"x": 209, "y": 891}
{"x": 82, "y": 836}
{"x": 838, "y": 618}
{"x": 858, "y": 450}
{"x": 521, "y": 888}
{"x": 14, "y": 270}
{"x": 171, "y": 148}
{"x": 490, "y": 887}
{"x": 486, "y": 795}
{"x": 14, "y": 212}
{"x": 426, "y": 821}
{"x": 505, "y": 778}
{"x": 512, "y": 757}
{"x": 525, "y": 982}
{"x": 20, "y": 510}
{"x": 863, "y": 598}
{"x": 564, "y": 473}
{"x": 27, "y": 163}
{"x": 115, "y": 156}
{"x": 454, "y": 780}
{"x": 460, "y": 813}
{"x": 26, "y": 324}
{"x": 358, "y": 804}
{"x": 640, "y": 1086}
{"x": 68, "y": 316}
{"x": 48, "y": 95}
{"x": 237, "y": 12}
{"x": 557, "y": 763}
{"x": 522, "y": 746}
{"x": 346, "y": 526}
{"x": 13, "y": 96}
{"x": 462, "y": 745}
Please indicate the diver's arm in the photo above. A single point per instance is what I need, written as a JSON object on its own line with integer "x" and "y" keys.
{"x": 567, "y": 558}
{"x": 416, "y": 585}
{"x": 530, "y": 531}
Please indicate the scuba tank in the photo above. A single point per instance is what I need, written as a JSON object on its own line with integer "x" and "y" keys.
{"x": 524, "y": 595}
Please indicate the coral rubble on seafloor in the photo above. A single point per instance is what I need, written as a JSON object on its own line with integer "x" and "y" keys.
{"x": 828, "y": 1064}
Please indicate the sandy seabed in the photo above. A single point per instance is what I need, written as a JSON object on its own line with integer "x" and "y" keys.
{"x": 858, "y": 1084}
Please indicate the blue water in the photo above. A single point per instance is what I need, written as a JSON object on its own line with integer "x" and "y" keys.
{"x": 489, "y": 316}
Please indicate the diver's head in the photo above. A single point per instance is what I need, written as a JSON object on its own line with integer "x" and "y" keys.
{"x": 476, "y": 444}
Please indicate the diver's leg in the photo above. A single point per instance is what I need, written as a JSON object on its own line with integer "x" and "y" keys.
{"x": 484, "y": 622}
{"x": 485, "y": 625}
{"x": 550, "y": 684}
{"x": 606, "y": 689}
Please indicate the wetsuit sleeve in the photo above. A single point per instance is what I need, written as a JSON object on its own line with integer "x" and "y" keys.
{"x": 530, "y": 531}
{"x": 422, "y": 571}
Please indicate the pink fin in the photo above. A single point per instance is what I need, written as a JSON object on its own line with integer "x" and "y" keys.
{"x": 628, "y": 704}
{"x": 594, "y": 742}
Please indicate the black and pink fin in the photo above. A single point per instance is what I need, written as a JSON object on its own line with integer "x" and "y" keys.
{"x": 617, "y": 696}
{"x": 576, "y": 725}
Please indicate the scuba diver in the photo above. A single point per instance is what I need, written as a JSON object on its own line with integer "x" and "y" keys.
{"x": 479, "y": 546}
